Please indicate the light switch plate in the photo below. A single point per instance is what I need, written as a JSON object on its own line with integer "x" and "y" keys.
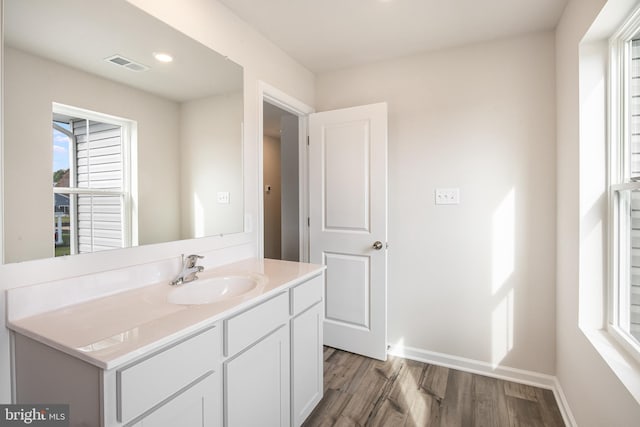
{"x": 223, "y": 197}
{"x": 447, "y": 196}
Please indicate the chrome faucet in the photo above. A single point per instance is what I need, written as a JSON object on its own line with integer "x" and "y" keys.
{"x": 189, "y": 270}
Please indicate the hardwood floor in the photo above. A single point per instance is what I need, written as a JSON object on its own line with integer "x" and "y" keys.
{"x": 359, "y": 391}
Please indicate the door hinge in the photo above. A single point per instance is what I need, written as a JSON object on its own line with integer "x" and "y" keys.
{"x": 307, "y": 139}
{"x": 308, "y": 222}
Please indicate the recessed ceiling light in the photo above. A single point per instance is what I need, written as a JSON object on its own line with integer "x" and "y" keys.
{"x": 162, "y": 57}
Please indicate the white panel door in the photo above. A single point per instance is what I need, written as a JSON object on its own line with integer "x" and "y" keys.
{"x": 348, "y": 224}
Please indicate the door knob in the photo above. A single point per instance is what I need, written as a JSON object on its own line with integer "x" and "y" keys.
{"x": 377, "y": 245}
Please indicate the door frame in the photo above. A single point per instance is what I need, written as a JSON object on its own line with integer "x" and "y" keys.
{"x": 280, "y": 99}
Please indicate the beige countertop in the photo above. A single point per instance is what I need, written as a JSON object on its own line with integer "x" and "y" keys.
{"x": 110, "y": 331}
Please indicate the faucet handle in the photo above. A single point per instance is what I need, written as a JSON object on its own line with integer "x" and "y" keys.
{"x": 191, "y": 260}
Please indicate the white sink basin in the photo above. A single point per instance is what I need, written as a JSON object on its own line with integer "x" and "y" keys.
{"x": 215, "y": 289}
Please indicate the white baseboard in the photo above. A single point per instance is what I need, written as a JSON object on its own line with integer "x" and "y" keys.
{"x": 563, "y": 405}
{"x": 521, "y": 376}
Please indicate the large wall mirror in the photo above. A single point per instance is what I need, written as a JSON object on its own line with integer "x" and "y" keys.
{"x": 118, "y": 131}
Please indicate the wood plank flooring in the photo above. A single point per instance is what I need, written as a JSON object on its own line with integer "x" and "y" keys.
{"x": 359, "y": 391}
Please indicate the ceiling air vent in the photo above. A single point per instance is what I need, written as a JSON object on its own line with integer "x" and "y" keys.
{"x": 126, "y": 63}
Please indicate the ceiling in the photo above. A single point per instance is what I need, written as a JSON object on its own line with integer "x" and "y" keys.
{"x": 333, "y": 34}
{"x": 82, "y": 33}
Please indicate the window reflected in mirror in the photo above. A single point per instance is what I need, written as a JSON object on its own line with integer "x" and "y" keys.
{"x": 91, "y": 189}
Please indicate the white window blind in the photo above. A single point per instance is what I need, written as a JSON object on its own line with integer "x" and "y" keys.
{"x": 99, "y": 164}
{"x": 634, "y": 172}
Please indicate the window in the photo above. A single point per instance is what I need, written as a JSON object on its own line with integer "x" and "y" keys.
{"x": 91, "y": 191}
{"x": 624, "y": 186}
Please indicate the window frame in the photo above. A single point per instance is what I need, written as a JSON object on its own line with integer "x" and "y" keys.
{"x": 618, "y": 176}
{"x": 128, "y": 192}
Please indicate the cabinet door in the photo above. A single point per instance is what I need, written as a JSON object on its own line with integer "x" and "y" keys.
{"x": 139, "y": 386}
{"x": 198, "y": 406}
{"x": 256, "y": 384}
{"x": 306, "y": 360}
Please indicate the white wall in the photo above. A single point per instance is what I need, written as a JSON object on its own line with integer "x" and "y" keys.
{"x": 595, "y": 394}
{"x": 215, "y": 26}
{"x": 474, "y": 280}
{"x": 34, "y": 84}
{"x": 290, "y": 217}
{"x": 272, "y": 199}
{"x": 211, "y": 162}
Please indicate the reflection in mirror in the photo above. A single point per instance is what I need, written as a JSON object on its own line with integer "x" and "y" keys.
{"x": 92, "y": 190}
{"x": 131, "y": 128}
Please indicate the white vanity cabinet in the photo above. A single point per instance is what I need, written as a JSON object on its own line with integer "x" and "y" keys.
{"x": 306, "y": 348}
{"x": 258, "y": 363}
{"x": 195, "y": 407}
{"x": 256, "y": 373}
{"x": 273, "y": 372}
{"x": 181, "y": 379}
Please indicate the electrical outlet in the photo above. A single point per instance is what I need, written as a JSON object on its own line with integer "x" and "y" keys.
{"x": 223, "y": 197}
{"x": 447, "y": 196}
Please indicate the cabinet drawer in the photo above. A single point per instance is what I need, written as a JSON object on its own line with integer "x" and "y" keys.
{"x": 147, "y": 383}
{"x": 307, "y": 294}
{"x": 253, "y": 324}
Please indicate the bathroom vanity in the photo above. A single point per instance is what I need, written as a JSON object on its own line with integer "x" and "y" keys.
{"x": 135, "y": 358}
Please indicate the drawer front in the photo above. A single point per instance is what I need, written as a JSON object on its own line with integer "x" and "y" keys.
{"x": 307, "y": 294}
{"x": 145, "y": 384}
{"x": 253, "y": 324}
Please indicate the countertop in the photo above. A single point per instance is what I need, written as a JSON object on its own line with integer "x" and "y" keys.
{"x": 111, "y": 331}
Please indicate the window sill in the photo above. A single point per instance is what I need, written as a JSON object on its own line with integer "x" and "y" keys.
{"x": 626, "y": 368}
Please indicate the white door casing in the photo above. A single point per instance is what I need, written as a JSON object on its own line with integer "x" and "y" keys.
{"x": 348, "y": 216}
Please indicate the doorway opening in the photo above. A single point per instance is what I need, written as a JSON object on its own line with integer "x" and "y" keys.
{"x": 281, "y": 183}
{"x": 294, "y": 112}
